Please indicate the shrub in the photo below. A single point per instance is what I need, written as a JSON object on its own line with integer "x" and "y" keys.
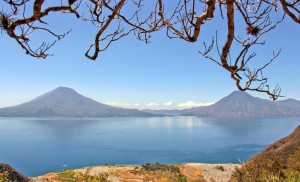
{"x": 292, "y": 172}
{"x": 157, "y": 171}
{"x": 8, "y": 173}
{"x": 4, "y": 177}
{"x": 101, "y": 177}
{"x": 161, "y": 167}
{"x": 67, "y": 175}
{"x": 219, "y": 168}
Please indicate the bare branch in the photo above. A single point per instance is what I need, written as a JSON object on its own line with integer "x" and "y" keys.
{"x": 181, "y": 19}
{"x": 292, "y": 9}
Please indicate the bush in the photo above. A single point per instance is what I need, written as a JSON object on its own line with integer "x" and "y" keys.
{"x": 161, "y": 167}
{"x": 268, "y": 169}
{"x": 292, "y": 172}
{"x": 157, "y": 172}
{"x": 71, "y": 176}
{"x": 4, "y": 177}
{"x": 8, "y": 173}
{"x": 67, "y": 175}
{"x": 101, "y": 177}
{"x": 219, "y": 168}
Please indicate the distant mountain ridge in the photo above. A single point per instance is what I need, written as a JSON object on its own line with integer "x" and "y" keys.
{"x": 242, "y": 104}
{"x": 66, "y": 102}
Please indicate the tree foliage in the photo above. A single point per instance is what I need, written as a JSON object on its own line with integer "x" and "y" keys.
{"x": 180, "y": 19}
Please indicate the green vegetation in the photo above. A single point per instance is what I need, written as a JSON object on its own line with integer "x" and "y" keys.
{"x": 67, "y": 175}
{"x": 71, "y": 176}
{"x": 102, "y": 177}
{"x": 279, "y": 162}
{"x": 161, "y": 171}
{"x": 292, "y": 172}
{"x": 9, "y": 174}
{"x": 4, "y": 177}
{"x": 160, "y": 167}
{"x": 87, "y": 177}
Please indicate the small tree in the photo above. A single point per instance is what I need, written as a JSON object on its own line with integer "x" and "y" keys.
{"x": 180, "y": 19}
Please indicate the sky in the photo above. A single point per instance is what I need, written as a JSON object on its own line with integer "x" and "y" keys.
{"x": 165, "y": 74}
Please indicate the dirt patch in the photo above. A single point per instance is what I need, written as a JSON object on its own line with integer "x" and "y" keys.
{"x": 192, "y": 172}
{"x": 215, "y": 172}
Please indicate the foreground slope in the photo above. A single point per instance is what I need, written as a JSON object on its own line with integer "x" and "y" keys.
{"x": 8, "y": 174}
{"x": 66, "y": 102}
{"x": 278, "y": 162}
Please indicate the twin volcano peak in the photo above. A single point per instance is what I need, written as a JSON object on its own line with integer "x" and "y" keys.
{"x": 66, "y": 102}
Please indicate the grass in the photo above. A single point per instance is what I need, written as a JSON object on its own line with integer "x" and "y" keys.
{"x": 67, "y": 175}
{"x": 279, "y": 162}
{"x": 71, "y": 176}
{"x": 165, "y": 172}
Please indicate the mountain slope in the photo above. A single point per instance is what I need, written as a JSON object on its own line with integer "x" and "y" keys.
{"x": 278, "y": 162}
{"x": 66, "y": 102}
{"x": 241, "y": 104}
{"x": 289, "y": 107}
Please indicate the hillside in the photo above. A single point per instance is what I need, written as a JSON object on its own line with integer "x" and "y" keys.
{"x": 278, "y": 162}
{"x": 8, "y": 174}
{"x": 66, "y": 102}
{"x": 289, "y": 106}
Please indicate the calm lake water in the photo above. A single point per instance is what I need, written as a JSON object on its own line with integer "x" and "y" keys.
{"x": 35, "y": 146}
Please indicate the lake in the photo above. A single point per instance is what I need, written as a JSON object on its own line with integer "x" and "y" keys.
{"x": 39, "y": 145}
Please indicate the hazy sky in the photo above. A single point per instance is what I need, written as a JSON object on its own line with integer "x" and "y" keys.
{"x": 164, "y": 74}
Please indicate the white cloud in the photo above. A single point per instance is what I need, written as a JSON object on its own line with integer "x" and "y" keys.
{"x": 152, "y": 104}
{"x": 156, "y": 105}
{"x": 190, "y": 104}
{"x": 118, "y": 104}
{"x": 168, "y": 104}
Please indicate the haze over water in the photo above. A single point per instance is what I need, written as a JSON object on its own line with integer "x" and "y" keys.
{"x": 39, "y": 145}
